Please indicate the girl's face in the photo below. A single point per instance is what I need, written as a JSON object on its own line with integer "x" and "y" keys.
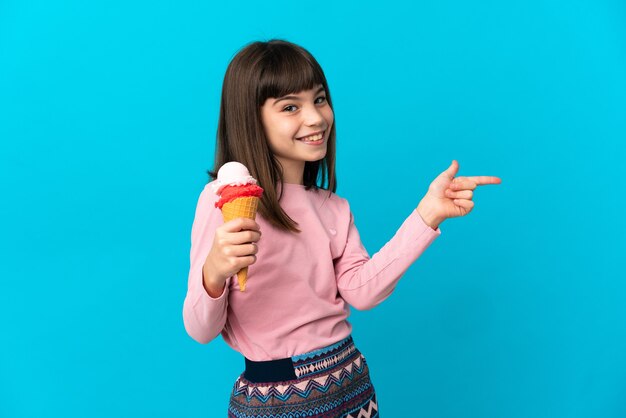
{"x": 297, "y": 127}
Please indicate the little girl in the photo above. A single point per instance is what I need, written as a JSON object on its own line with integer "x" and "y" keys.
{"x": 307, "y": 264}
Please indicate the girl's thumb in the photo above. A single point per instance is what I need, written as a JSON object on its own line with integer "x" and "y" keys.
{"x": 453, "y": 169}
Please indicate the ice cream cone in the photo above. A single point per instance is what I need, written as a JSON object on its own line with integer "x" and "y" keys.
{"x": 239, "y": 197}
{"x": 242, "y": 207}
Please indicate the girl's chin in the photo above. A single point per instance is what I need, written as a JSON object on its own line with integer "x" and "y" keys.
{"x": 318, "y": 157}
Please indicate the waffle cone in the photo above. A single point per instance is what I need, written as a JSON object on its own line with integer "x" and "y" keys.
{"x": 242, "y": 207}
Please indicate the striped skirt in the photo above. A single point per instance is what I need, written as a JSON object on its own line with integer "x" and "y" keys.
{"x": 333, "y": 381}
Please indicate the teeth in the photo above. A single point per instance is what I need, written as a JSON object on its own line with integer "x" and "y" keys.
{"x": 312, "y": 138}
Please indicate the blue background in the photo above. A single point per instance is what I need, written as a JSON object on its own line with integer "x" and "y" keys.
{"x": 108, "y": 115}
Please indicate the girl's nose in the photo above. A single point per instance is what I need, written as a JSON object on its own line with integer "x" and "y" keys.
{"x": 312, "y": 116}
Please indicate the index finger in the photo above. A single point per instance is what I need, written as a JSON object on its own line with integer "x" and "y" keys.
{"x": 241, "y": 224}
{"x": 480, "y": 180}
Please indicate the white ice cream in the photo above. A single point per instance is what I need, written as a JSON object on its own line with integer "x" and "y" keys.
{"x": 232, "y": 174}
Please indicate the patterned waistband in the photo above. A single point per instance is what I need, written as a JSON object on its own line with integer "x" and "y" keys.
{"x": 301, "y": 366}
{"x": 331, "y": 382}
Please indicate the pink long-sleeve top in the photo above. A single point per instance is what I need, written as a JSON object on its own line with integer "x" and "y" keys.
{"x": 299, "y": 290}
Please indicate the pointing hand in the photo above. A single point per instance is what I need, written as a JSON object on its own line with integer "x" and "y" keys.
{"x": 449, "y": 196}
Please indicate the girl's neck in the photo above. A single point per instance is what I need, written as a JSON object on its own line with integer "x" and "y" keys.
{"x": 293, "y": 172}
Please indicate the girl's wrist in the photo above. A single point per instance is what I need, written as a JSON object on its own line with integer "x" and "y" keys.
{"x": 429, "y": 217}
{"x": 213, "y": 286}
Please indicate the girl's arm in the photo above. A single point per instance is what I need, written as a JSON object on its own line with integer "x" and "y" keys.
{"x": 365, "y": 282}
{"x": 204, "y": 316}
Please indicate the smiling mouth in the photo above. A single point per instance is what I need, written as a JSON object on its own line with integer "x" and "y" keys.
{"x": 313, "y": 138}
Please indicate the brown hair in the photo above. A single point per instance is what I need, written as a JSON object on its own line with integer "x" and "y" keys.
{"x": 257, "y": 72}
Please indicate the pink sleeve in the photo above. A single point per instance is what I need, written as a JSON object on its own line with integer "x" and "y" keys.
{"x": 365, "y": 282}
{"x": 204, "y": 316}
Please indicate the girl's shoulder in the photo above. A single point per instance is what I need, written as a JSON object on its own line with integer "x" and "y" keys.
{"x": 208, "y": 192}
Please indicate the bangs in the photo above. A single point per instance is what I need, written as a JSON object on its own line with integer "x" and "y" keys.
{"x": 285, "y": 71}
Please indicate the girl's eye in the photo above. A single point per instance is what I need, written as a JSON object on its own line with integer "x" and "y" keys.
{"x": 321, "y": 99}
{"x": 289, "y": 107}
